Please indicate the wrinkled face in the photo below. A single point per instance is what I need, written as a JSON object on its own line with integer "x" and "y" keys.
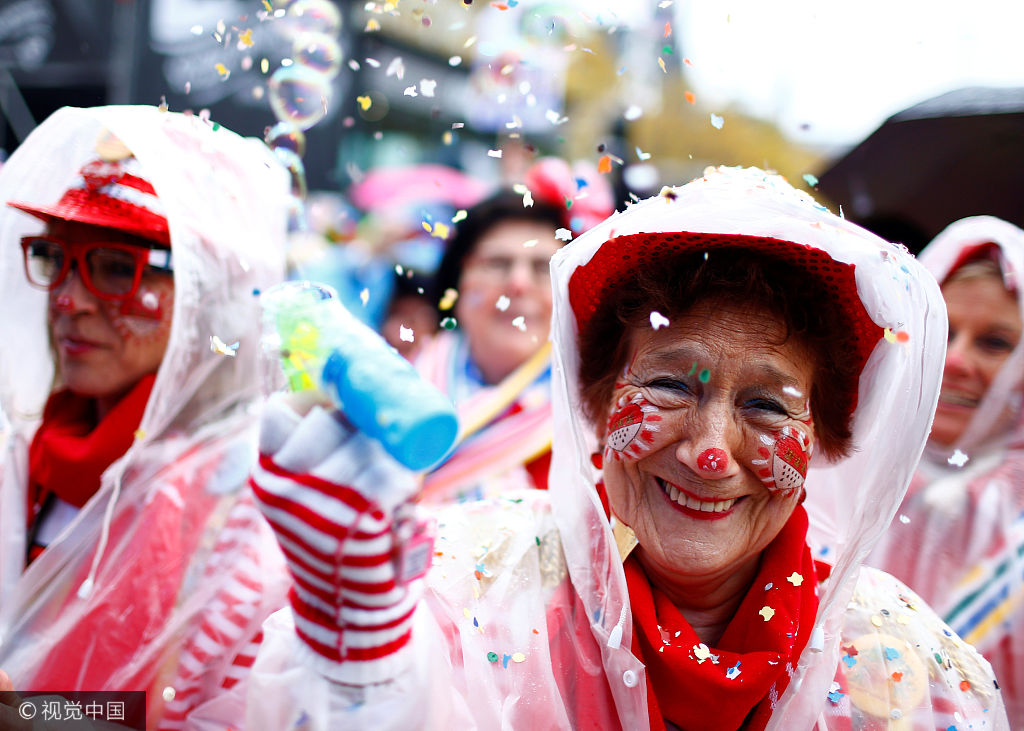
{"x": 103, "y": 348}
{"x": 708, "y": 438}
{"x": 984, "y": 328}
{"x": 504, "y": 304}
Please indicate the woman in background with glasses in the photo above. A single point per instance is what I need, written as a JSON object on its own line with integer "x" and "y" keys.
{"x": 133, "y": 557}
{"x": 491, "y": 356}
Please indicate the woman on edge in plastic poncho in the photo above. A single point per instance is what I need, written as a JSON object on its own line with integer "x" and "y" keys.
{"x": 133, "y": 557}
{"x": 959, "y": 537}
{"x": 707, "y": 343}
{"x": 492, "y": 285}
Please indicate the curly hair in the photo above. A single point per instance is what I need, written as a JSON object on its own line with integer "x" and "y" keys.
{"x": 759, "y": 281}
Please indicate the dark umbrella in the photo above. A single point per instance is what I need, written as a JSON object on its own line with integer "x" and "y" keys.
{"x": 955, "y": 155}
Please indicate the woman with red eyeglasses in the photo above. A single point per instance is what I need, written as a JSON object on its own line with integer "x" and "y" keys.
{"x": 132, "y": 556}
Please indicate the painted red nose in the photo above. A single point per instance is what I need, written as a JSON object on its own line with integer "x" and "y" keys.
{"x": 63, "y": 303}
{"x": 713, "y": 460}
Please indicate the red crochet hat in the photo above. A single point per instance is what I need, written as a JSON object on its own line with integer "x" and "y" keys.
{"x": 112, "y": 194}
{"x": 612, "y": 265}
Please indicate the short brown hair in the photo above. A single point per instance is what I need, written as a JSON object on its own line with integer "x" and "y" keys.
{"x": 806, "y": 304}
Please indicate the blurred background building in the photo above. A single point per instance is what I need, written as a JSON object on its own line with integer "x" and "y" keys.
{"x": 649, "y": 91}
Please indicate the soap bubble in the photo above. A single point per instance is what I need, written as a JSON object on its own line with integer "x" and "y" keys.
{"x": 298, "y": 94}
{"x": 318, "y": 16}
{"x": 288, "y": 136}
{"x": 293, "y": 163}
{"x": 319, "y": 52}
{"x": 297, "y": 214}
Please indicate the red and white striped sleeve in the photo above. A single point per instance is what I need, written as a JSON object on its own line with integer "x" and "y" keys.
{"x": 353, "y": 594}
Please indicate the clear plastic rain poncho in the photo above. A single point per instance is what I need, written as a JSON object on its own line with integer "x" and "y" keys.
{"x": 171, "y": 539}
{"x": 526, "y": 620}
{"x": 958, "y": 539}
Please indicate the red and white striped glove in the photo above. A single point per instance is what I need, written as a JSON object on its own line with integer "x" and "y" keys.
{"x": 338, "y": 505}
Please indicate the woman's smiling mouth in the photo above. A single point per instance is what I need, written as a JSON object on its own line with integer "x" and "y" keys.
{"x": 704, "y": 509}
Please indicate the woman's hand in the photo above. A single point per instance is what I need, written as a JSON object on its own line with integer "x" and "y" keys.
{"x": 338, "y": 505}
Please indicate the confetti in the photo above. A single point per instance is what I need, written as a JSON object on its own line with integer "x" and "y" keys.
{"x": 668, "y": 29}
{"x": 405, "y": 334}
{"x": 688, "y": 62}
{"x": 904, "y": 519}
{"x": 448, "y": 299}
{"x": 139, "y": 434}
{"x": 641, "y": 155}
{"x": 449, "y": 323}
{"x": 717, "y": 121}
{"x": 372, "y": 25}
{"x": 525, "y": 192}
{"x": 661, "y": 62}
{"x": 168, "y": 694}
{"x": 891, "y": 653}
{"x": 427, "y": 87}
{"x": 604, "y": 165}
{"x": 633, "y": 113}
{"x": 704, "y": 376}
{"x": 732, "y": 672}
{"x": 503, "y": 303}
{"x": 519, "y": 323}
{"x": 850, "y": 660}
{"x": 364, "y": 102}
{"x": 701, "y": 652}
{"x": 810, "y": 179}
{"x": 897, "y": 676}
{"x": 563, "y": 234}
{"x": 690, "y": 97}
{"x": 965, "y": 685}
{"x": 494, "y": 153}
{"x": 555, "y": 118}
{"x": 219, "y": 346}
{"x": 658, "y": 320}
{"x": 876, "y": 620}
{"x": 455, "y": 61}
{"x": 364, "y": 296}
{"x": 245, "y": 38}
{"x": 958, "y": 459}
{"x": 767, "y": 612}
{"x": 396, "y": 68}
{"x": 492, "y": 657}
{"x": 795, "y": 579}
{"x": 460, "y": 215}
{"x": 223, "y": 71}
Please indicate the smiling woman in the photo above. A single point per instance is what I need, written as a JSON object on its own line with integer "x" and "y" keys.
{"x": 959, "y": 541}
{"x": 719, "y": 355}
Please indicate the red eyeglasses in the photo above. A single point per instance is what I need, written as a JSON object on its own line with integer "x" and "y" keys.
{"x": 111, "y": 271}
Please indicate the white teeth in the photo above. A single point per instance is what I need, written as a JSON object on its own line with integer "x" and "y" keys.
{"x": 674, "y": 494}
{"x": 957, "y": 399}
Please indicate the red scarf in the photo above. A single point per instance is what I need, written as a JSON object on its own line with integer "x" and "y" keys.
{"x": 70, "y": 450}
{"x": 752, "y": 655}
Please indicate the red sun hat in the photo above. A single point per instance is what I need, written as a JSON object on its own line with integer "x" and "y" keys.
{"x": 111, "y": 194}
{"x": 612, "y": 265}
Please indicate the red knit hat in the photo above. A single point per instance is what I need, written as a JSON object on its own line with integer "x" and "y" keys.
{"x": 612, "y": 265}
{"x": 112, "y": 194}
